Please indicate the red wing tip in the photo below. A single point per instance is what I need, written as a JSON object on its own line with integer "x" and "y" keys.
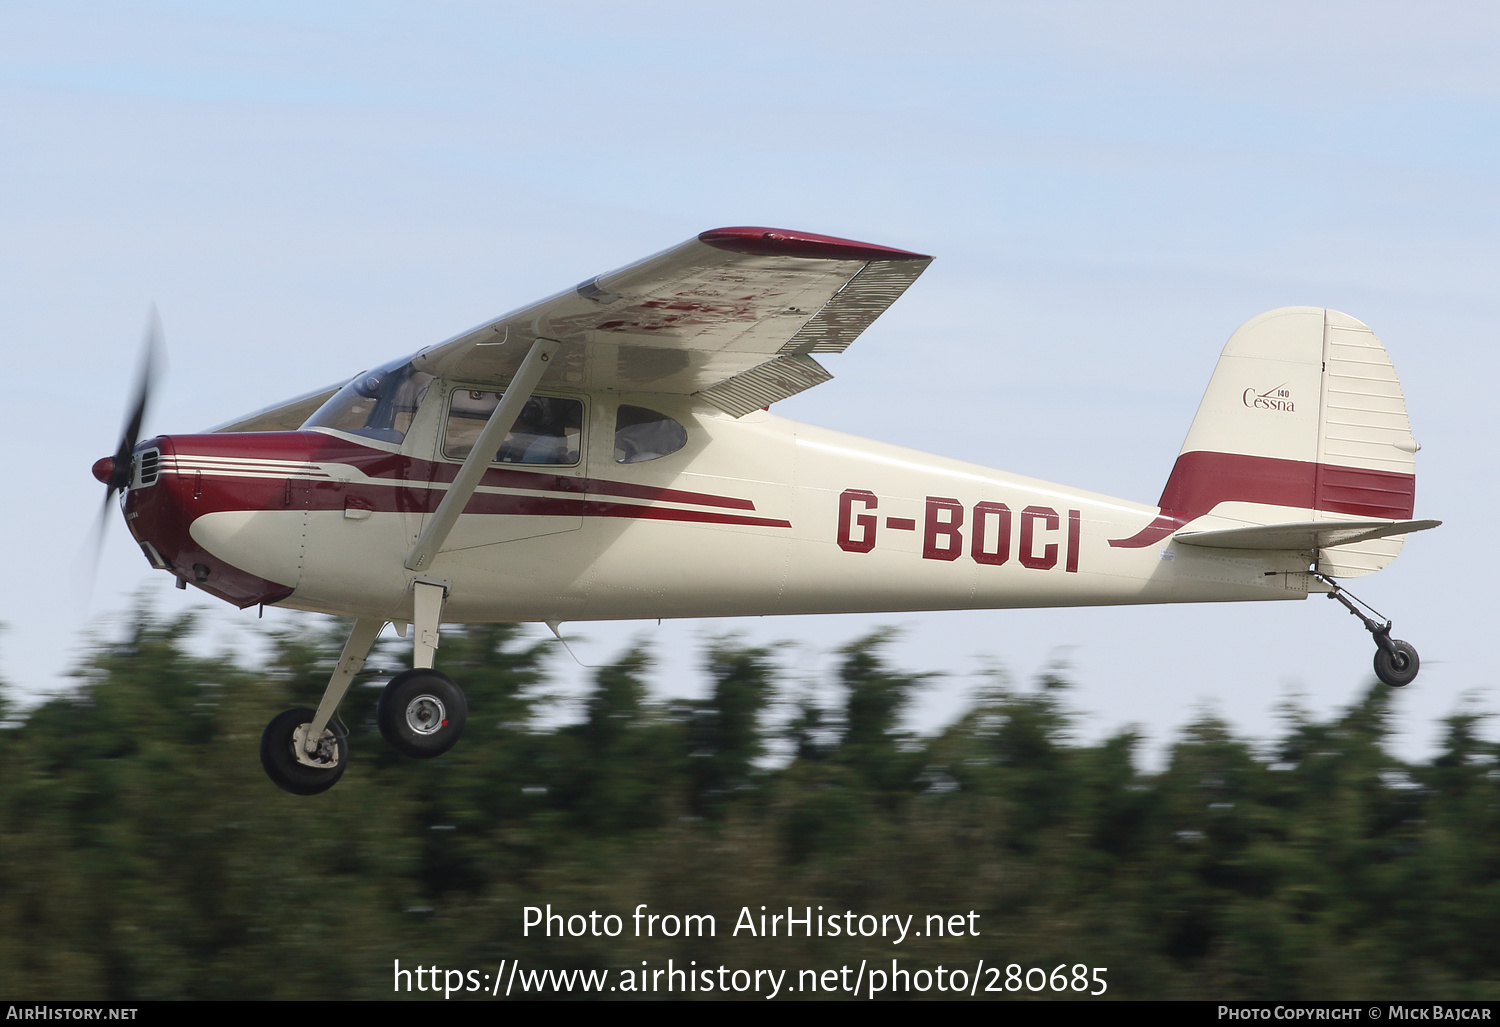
{"x": 778, "y": 242}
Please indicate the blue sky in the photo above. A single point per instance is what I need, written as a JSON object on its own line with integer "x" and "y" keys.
{"x": 1110, "y": 190}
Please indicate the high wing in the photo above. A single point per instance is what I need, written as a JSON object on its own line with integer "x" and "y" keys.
{"x": 731, "y": 317}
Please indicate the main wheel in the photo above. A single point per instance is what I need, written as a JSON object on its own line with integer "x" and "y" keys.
{"x": 1398, "y": 668}
{"x": 279, "y": 757}
{"x": 421, "y": 713}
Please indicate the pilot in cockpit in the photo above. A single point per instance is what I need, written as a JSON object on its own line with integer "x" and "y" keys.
{"x": 546, "y": 432}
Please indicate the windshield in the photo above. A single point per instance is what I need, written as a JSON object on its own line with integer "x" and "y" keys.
{"x": 378, "y": 404}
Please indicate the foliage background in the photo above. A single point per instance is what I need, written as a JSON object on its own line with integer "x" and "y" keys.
{"x": 144, "y": 855}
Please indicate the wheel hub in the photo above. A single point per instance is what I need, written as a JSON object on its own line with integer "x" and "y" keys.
{"x": 325, "y": 756}
{"x": 426, "y": 715}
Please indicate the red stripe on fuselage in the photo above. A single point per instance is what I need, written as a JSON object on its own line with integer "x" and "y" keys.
{"x": 1201, "y": 481}
{"x": 316, "y": 447}
{"x": 161, "y": 513}
{"x": 225, "y": 488}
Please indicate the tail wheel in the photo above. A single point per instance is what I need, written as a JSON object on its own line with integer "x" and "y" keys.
{"x": 1397, "y": 666}
{"x": 320, "y": 770}
{"x": 422, "y": 713}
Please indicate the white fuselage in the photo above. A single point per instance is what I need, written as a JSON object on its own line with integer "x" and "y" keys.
{"x": 754, "y": 516}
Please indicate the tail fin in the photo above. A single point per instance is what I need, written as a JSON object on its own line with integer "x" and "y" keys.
{"x": 1303, "y": 420}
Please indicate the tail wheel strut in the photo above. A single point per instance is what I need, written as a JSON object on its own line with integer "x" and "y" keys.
{"x": 1396, "y": 662}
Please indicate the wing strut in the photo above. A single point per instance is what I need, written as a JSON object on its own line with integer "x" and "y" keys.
{"x": 478, "y": 461}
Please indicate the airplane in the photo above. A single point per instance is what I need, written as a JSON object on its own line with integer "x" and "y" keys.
{"x": 609, "y": 453}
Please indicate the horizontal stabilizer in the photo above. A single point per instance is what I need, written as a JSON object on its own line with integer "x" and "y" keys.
{"x": 1302, "y": 535}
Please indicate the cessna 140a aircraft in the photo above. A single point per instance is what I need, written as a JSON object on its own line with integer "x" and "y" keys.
{"x": 608, "y": 453}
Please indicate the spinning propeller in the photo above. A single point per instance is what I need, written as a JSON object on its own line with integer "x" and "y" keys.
{"x": 116, "y": 471}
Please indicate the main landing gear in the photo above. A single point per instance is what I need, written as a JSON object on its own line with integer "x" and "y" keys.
{"x": 1396, "y": 662}
{"x": 421, "y": 711}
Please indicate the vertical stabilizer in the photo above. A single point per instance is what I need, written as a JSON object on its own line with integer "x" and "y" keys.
{"x": 1303, "y": 420}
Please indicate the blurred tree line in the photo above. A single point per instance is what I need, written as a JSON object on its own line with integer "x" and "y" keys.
{"x": 145, "y": 855}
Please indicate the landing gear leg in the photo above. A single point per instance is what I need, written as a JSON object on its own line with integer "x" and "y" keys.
{"x": 422, "y": 712}
{"x": 298, "y": 750}
{"x": 1396, "y": 662}
{"x": 427, "y": 607}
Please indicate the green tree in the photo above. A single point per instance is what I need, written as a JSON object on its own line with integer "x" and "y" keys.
{"x": 873, "y": 744}
{"x": 724, "y": 732}
{"x": 618, "y": 767}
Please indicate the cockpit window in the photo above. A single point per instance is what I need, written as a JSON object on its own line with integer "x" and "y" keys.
{"x": 642, "y": 435}
{"x": 548, "y": 431}
{"x": 378, "y": 404}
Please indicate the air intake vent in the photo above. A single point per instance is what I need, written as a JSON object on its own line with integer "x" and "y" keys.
{"x": 157, "y": 560}
{"x": 147, "y": 468}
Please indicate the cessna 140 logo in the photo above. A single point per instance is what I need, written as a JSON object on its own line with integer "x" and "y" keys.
{"x": 1279, "y": 398}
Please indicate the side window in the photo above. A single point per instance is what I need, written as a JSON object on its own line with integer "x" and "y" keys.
{"x": 548, "y": 431}
{"x": 642, "y": 435}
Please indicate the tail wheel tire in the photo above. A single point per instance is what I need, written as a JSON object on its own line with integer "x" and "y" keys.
{"x": 422, "y": 713}
{"x": 1397, "y": 668}
{"x": 280, "y": 760}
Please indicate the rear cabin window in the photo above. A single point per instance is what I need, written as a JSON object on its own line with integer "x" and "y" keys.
{"x": 548, "y": 431}
{"x": 642, "y": 434}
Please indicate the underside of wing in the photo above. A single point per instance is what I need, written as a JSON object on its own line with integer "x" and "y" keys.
{"x": 732, "y": 317}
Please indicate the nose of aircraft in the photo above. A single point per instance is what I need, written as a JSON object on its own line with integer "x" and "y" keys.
{"x": 104, "y": 469}
{"x": 153, "y": 510}
{"x": 165, "y": 500}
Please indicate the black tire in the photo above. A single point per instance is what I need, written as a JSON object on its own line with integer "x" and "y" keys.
{"x": 422, "y": 713}
{"x": 1398, "y": 668}
{"x": 280, "y": 762}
